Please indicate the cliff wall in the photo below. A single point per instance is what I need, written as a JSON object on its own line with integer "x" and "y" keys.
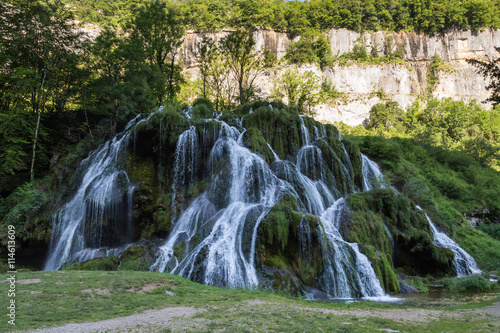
{"x": 365, "y": 85}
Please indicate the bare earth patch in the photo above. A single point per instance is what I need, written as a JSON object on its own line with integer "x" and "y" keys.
{"x": 145, "y": 321}
{"x": 96, "y": 291}
{"x": 147, "y": 287}
{"x": 29, "y": 281}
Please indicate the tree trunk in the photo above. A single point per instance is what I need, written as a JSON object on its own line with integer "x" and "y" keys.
{"x": 85, "y": 113}
{"x": 39, "y": 111}
{"x": 114, "y": 123}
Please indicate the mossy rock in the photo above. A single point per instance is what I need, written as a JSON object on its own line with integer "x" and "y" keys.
{"x": 291, "y": 242}
{"x": 281, "y": 219}
{"x": 382, "y": 267}
{"x": 414, "y": 249}
{"x": 279, "y": 128}
{"x": 110, "y": 263}
{"x": 252, "y": 138}
{"x": 137, "y": 258}
{"x": 356, "y": 162}
{"x": 341, "y": 179}
{"x": 309, "y": 260}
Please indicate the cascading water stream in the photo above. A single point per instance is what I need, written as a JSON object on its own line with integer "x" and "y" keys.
{"x": 220, "y": 242}
{"x": 213, "y": 240}
{"x": 372, "y": 176}
{"x": 463, "y": 262}
{"x": 94, "y": 217}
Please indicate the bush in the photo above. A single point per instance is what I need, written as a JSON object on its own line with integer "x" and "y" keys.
{"x": 491, "y": 229}
{"x": 468, "y": 284}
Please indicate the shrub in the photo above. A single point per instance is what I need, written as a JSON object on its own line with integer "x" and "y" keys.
{"x": 468, "y": 284}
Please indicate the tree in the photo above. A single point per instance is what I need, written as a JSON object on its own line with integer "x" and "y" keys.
{"x": 37, "y": 43}
{"x": 207, "y": 51}
{"x": 490, "y": 69}
{"x": 300, "y": 89}
{"x": 386, "y": 115}
{"x": 158, "y": 27}
{"x": 245, "y": 64}
{"x": 121, "y": 81}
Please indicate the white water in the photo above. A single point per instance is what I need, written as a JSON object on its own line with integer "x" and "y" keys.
{"x": 103, "y": 198}
{"x": 214, "y": 239}
{"x": 463, "y": 262}
{"x": 225, "y": 253}
{"x": 372, "y": 175}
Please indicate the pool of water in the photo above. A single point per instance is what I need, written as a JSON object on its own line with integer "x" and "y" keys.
{"x": 440, "y": 297}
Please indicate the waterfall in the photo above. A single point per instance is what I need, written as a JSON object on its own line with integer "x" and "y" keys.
{"x": 226, "y": 254}
{"x": 342, "y": 278}
{"x": 463, "y": 262}
{"x": 372, "y": 176}
{"x": 218, "y": 231}
{"x": 213, "y": 240}
{"x": 99, "y": 213}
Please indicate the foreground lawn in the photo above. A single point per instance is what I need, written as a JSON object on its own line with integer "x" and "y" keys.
{"x": 45, "y": 299}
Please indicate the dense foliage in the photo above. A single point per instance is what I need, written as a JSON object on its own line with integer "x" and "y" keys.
{"x": 58, "y": 87}
{"x": 443, "y": 156}
{"x": 296, "y": 17}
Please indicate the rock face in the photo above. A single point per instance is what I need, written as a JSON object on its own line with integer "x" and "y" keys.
{"x": 365, "y": 85}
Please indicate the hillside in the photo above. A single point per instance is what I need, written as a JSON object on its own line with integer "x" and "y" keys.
{"x": 229, "y": 156}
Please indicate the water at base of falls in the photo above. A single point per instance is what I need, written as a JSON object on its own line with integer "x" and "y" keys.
{"x": 218, "y": 232}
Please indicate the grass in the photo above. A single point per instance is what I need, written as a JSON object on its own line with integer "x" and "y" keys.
{"x": 81, "y": 296}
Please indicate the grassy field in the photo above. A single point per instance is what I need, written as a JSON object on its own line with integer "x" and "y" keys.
{"x": 45, "y": 299}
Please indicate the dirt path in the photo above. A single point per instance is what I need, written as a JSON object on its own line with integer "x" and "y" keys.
{"x": 141, "y": 322}
{"x": 178, "y": 319}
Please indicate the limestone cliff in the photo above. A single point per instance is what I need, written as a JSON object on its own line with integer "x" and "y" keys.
{"x": 364, "y": 84}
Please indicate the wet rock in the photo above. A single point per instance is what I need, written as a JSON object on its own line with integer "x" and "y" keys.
{"x": 406, "y": 288}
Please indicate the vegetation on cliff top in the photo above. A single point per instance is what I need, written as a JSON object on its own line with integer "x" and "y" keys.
{"x": 296, "y": 17}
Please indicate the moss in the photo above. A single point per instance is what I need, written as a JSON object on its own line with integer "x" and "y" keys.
{"x": 276, "y": 226}
{"x": 137, "y": 258}
{"x": 110, "y": 263}
{"x": 382, "y": 267}
{"x": 367, "y": 227}
{"x": 180, "y": 250}
{"x": 143, "y": 173}
{"x": 283, "y": 234}
{"x": 309, "y": 260}
{"x": 279, "y": 128}
{"x": 252, "y": 138}
{"x": 356, "y": 162}
{"x": 341, "y": 180}
{"x": 414, "y": 249}
{"x": 278, "y": 261}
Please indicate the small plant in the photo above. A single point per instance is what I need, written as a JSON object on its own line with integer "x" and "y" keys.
{"x": 468, "y": 284}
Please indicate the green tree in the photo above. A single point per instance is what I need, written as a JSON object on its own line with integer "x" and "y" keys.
{"x": 300, "y": 89}
{"x": 120, "y": 82}
{"x": 158, "y": 28}
{"x": 245, "y": 63}
{"x": 207, "y": 51}
{"x": 37, "y": 44}
{"x": 490, "y": 69}
{"x": 385, "y": 115}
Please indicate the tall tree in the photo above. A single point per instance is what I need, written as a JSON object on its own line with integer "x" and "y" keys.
{"x": 159, "y": 28}
{"x": 206, "y": 54}
{"x": 120, "y": 83}
{"x": 37, "y": 42}
{"x": 245, "y": 63}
